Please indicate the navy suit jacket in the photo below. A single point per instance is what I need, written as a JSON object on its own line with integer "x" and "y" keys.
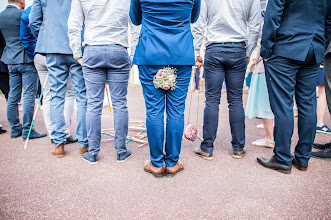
{"x": 10, "y": 20}
{"x": 49, "y": 23}
{"x": 165, "y": 36}
{"x": 291, "y": 26}
{"x": 3, "y": 66}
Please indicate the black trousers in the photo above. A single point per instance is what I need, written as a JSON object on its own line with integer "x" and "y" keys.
{"x": 4, "y": 83}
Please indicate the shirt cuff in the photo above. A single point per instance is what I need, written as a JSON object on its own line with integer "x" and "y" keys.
{"x": 197, "y": 53}
{"x": 77, "y": 54}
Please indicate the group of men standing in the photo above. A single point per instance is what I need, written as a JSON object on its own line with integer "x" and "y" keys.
{"x": 293, "y": 45}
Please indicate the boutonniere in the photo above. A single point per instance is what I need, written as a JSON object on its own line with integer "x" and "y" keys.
{"x": 165, "y": 79}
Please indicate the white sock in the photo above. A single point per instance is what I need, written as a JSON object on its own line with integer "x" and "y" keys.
{"x": 320, "y": 125}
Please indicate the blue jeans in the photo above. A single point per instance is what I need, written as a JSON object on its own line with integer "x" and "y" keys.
{"x": 26, "y": 76}
{"x": 157, "y": 100}
{"x": 59, "y": 66}
{"x": 101, "y": 63}
{"x": 229, "y": 62}
{"x": 285, "y": 78}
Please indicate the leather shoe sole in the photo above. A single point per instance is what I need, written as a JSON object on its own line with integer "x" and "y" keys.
{"x": 299, "y": 166}
{"x": 267, "y": 164}
{"x": 202, "y": 154}
{"x": 148, "y": 166}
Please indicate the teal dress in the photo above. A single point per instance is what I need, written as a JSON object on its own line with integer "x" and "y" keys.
{"x": 258, "y": 105}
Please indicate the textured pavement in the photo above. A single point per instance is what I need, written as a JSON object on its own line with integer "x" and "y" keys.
{"x": 36, "y": 185}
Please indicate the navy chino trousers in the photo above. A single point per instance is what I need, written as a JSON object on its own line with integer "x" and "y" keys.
{"x": 224, "y": 62}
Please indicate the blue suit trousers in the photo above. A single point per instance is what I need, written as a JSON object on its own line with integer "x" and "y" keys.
{"x": 286, "y": 77}
{"x": 157, "y": 100}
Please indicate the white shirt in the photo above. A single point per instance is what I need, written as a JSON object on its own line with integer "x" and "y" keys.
{"x": 228, "y": 21}
{"x": 105, "y": 22}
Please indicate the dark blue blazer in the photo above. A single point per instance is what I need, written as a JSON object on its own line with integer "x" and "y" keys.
{"x": 165, "y": 36}
{"x": 10, "y": 20}
{"x": 291, "y": 26}
{"x": 27, "y": 39}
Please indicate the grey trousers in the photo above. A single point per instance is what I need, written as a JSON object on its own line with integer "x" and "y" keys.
{"x": 40, "y": 64}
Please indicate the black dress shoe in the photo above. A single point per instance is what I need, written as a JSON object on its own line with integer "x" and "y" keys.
{"x": 322, "y": 146}
{"x": 324, "y": 154}
{"x": 274, "y": 165}
{"x": 2, "y": 130}
{"x": 299, "y": 166}
{"x": 71, "y": 140}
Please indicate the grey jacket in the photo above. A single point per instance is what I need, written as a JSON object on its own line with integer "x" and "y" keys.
{"x": 10, "y": 20}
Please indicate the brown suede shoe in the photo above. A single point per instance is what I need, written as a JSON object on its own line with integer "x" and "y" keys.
{"x": 171, "y": 171}
{"x": 204, "y": 155}
{"x": 238, "y": 154}
{"x": 155, "y": 171}
{"x": 299, "y": 166}
{"x": 58, "y": 151}
{"x": 83, "y": 150}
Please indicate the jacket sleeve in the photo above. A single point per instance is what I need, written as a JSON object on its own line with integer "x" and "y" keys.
{"x": 272, "y": 21}
{"x": 26, "y": 37}
{"x": 36, "y": 17}
{"x": 195, "y": 11}
{"x": 328, "y": 28}
{"x": 135, "y": 12}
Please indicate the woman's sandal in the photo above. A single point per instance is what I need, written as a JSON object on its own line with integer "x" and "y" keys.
{"x": 263, "y": 143}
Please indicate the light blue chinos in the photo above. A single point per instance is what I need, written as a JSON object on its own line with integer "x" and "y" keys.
{"x": 59, "y": 66}
{"x": 101, "y": 63}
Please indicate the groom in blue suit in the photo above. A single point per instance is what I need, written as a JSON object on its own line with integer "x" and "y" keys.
{"x": 165, "y": 40}
{"x": 48, "y": 22}
{"x": 294, "y": 39}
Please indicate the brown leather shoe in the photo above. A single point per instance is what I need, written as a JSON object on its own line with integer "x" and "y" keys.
{"x": 204, "y": 155}
{"x": 83, "y": 150}
{"x": 155, "y": 171}
{"x": 274, "y": 165}
{"x": 298, "y": 165}
{"x": 238, "y": 154}
{"x": 171, "y": 171}
{"x": 58, "y": 151}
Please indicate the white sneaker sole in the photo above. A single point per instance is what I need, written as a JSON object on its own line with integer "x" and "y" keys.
{"x": 90, "y": 161}
{"x": 122, "y": 161}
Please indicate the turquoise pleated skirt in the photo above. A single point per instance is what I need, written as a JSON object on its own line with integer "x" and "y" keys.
{"x": 258, "y": 105}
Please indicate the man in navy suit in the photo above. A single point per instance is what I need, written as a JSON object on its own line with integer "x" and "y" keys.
{"x": 48, "y": 22}
{"x": 165, "y": 39}
{"x": 22, "y": 72}
{"x": 294, "y": 39}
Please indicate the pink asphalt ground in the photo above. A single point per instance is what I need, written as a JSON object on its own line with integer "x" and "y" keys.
{"x": 36, "y": 185}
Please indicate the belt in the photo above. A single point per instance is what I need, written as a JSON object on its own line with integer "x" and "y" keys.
{"x": 229, "y": 43}
{"x": 43, "y": 54}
